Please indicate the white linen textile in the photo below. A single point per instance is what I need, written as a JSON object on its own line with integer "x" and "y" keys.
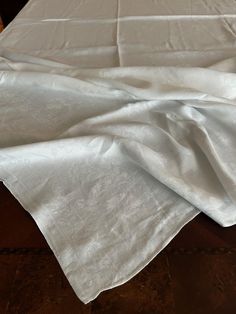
{"x": 111, "y": 151}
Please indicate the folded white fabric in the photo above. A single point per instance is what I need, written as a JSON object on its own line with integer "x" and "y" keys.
{"x": 113, "y": 162}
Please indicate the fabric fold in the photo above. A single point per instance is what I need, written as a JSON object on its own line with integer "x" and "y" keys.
{"x": 112, "y": 163}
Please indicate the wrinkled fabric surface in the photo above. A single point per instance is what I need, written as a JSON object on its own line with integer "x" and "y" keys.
{"x": 113, "y": 159}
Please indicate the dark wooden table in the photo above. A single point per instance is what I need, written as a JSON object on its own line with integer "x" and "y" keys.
{"x": 9, "y": 9}
{"x": 195, "y": 274}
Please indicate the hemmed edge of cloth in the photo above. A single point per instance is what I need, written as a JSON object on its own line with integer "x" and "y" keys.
{"x": 14, "y": 185}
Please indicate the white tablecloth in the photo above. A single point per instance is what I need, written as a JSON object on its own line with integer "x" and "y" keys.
{"x": 117, "y": 127}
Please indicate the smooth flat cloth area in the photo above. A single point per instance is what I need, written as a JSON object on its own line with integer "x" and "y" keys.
{"x": 117, "y": 127}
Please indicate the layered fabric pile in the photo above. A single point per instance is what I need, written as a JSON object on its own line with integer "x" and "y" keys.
{"x": 118, "y": 126}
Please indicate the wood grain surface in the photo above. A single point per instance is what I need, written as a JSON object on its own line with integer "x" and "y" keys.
{"x": 1, "y": 25}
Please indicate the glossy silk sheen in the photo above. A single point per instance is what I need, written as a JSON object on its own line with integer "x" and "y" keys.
{"x": 118, "y": 126}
